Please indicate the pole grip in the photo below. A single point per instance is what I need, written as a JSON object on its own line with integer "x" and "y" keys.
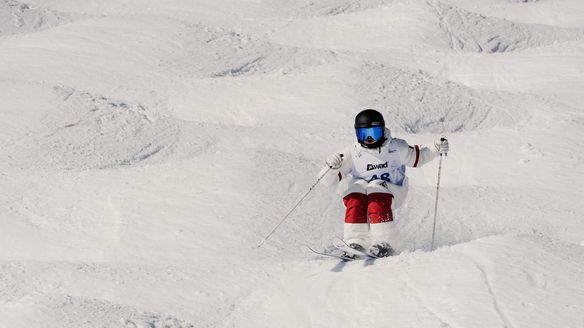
{"x": 442, "y": 139}
{"x": 341, "y": 155}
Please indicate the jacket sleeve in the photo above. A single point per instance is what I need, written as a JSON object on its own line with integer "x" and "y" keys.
{"x": 415, "y": 156}
{"x": 332, "y": 176}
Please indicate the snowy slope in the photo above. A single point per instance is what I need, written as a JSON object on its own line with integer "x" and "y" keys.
{"x": 149, "y": 146}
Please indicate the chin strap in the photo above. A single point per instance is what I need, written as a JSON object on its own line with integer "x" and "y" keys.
{"x": 377, "y": 144}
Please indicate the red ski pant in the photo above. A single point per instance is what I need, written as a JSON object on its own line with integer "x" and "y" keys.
{"x": 376, "y": 205}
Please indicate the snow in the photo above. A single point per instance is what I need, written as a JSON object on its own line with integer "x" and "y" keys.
{"x": 149, "y": 146}
{"x": 500, "y": 286}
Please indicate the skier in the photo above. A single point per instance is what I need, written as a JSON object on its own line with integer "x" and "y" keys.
{"x": 371, "y": 174}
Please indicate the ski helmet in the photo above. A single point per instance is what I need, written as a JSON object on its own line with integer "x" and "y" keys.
{"x": 370, "y": 128}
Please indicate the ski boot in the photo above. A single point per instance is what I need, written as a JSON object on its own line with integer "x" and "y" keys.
{"x": 356, "y": 247}
{"x": 382, "y": 249}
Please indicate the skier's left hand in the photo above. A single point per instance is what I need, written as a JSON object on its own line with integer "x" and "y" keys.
{"x": 334, "y": 161}
{"x": 442, "y": 146}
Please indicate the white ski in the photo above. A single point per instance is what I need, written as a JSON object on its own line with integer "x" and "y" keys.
{"x": 340, "y": 257}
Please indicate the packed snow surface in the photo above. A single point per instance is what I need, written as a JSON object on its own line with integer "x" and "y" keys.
{"x": 148, "y": 146}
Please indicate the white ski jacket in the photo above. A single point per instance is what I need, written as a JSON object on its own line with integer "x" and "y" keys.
{"x": 387, "y": 163}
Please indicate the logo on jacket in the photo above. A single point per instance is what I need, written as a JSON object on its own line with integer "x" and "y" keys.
{"x": 377, "y": 166}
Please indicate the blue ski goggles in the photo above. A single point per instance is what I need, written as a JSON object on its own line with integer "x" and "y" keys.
{"x": 369, "y": 135}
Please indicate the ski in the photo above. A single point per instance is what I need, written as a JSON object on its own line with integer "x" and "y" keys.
{"x": 341, "y": 245}
{"x": 340, "y": 257}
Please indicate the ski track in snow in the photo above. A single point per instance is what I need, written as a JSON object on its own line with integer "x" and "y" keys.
{"x": 148, "y": 146}
{"x": 441, "y": 319}
{"x": 500, "y": 311}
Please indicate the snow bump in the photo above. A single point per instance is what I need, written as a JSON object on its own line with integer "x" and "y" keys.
{"x": 94, "y": 131}
{"x": 20, "y": 17}
{"x": 420, "y": 103}
{"x": 304, "y": 9}
{"x": 472, "y": 32}
{"x": 234, "y": 54}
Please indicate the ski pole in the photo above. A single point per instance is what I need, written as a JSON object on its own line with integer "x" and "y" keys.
{"x": 436, "y": 201}
{"x": 293, "y": 208}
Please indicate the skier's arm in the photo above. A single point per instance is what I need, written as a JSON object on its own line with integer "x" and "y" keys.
{"x": 416, "y": 156}
{"x": 333, "y": 175}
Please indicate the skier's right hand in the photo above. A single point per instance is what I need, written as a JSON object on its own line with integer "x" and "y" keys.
{"x": 442, "y": 146}
{"x": 334, "y": 161}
